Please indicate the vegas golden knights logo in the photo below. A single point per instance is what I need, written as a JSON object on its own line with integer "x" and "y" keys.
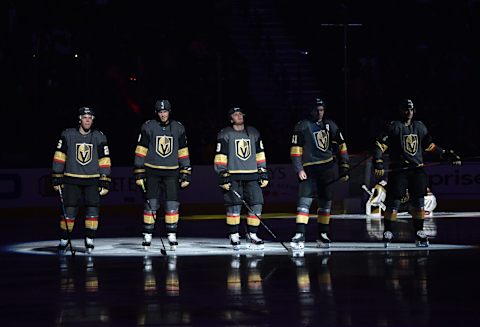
{"x": 410, "y": 144}
{"x": 243, "y": 149}
{"x": 164, "y": 146}
{"x": 321, "y": 139}
{"x": 84, "y": 153}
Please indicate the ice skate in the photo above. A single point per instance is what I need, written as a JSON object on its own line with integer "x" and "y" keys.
{"x": 89, "y": 244}
{"x": 298, "y": 242}
{"x": 387, "y": 238}
{"x": 62, "y": 246}
{"x": 147, "y": 241}
{"x": 254, "y": 242}
{"x": 235, "y": 241}
{"x": 421, "y": 239}
{"x": 323, "y": 241}
{"x": 172, "y": 241}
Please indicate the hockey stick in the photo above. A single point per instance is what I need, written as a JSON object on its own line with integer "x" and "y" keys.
{"x": 353, "y": 167}
{"x": 260, "y": 220}
{"x": 69, "y": 240}
{"x": 397, "y": 170}
{"x": 154, "y": 214}
{"x": 380, "y": 204}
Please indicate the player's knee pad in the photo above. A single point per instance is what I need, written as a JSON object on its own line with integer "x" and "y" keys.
{"x": 153, "y": 206}
{"x": 418, "y": 202}
{"x": 172, "y": 206}
{"x": 304, "y": 204}
{"x": 324, "y": 205}
{"x": 234, "y": 210}
{"x": 257, "y": 209}
{"x": 71, "y": 212}
{"x": 92, "y": 211}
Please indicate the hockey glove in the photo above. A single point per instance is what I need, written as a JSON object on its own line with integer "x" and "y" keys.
{"x": 262, "y": 177}
{"x": 104, "y": 185}
{"x": 185, "y": 176}
{"x": 379, "y": 170}
{"x": 140, "y": 178}
{"x": 452, "y": 157}
{"x": 344, "y": 172}
{"x": 225, "y": 181}
{"x": 57, "y": 181}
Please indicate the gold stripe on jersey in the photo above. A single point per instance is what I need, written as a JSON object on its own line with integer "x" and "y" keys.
{"x": 252, "y": 220}
{"x": 70, "y": 223}
{"x": 343, "y": 148}
{"x": 59, "y": 156}
{"x": 91, "y": 223}
{"x": 260, "y": 157}
{"x": 383, "y": 147}
{"x": 82, "y": 176}
{"x": 431, "y": 147}
{"x": 139, "y": 170}
{"x": 148, "y": 218}
{"x": 171, "y": 218}
{"x": 302, "y": 218}
{"x": 318, "y": 162}
{"x": 221, "y": 159}
{"x": 183, "y": 153}
{"x": 104, "y": 162}
{"x": 233, "y": 220}
{"x": 296, "y": 151}
{"x": 161, "y": 167}
{"x": 243, "y": 171}
{"x": 141, "y": 151}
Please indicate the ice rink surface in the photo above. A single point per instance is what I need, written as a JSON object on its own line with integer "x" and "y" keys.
{"x": 356, "y": 282}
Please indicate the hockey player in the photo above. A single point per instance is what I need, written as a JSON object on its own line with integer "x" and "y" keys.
{"x": 241, "y": 165}
{"x": 315, "y": 141}
{"x": 162, "y": 167}
{"x": 81, "y": 170}
{"x": 406, "y": 139}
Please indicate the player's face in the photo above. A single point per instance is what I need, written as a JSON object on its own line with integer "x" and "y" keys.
{"x": 164, "y": 115}
{"x": 86, "y": 122}
{"x": 237, "y": 118}
{"x": 407, "y": 113}
{"x": 321, "y": 112}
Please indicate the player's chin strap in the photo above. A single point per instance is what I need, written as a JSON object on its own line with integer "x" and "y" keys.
{"x": 260, "y": 220}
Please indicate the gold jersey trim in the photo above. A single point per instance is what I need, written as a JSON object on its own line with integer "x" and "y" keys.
{"x": 141, "y": 150}
{"x": 260, "y": 157}
{"x": 161, "y": 167}
{"x": 242, "y": 171}
{"x": 383, "y": 147}
{"x": 221, "y": 159}
{"x": 82, "y": 176}
{"x": 431, "y": 147}
{"x": 59, "y": 156}
{"x": 296, "y": 151}
{"x": 104, "y": 162}
{"x": 317, "y": 162}
{"x": 183, "y": 153}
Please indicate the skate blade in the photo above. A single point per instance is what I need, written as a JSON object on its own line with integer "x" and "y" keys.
{"x": 323, "y": 245}
{"x": 297, "y": 246}
{"x": 255, "y": 247}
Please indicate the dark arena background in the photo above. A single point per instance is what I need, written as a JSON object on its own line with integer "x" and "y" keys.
{"x": 272, "y": 58}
